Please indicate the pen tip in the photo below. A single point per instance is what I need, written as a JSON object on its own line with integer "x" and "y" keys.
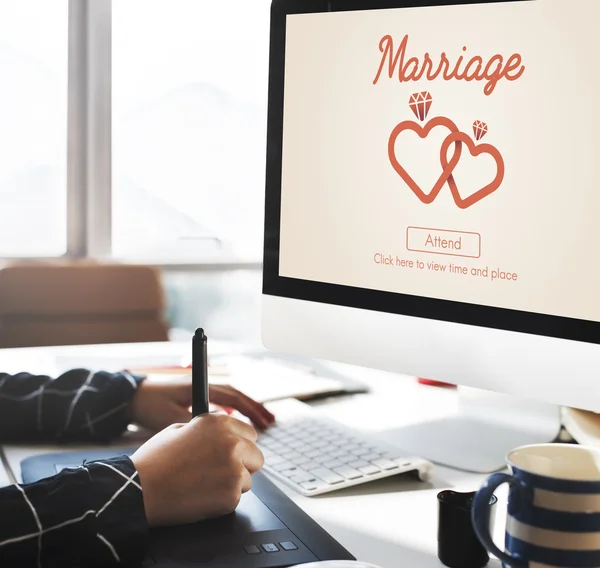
{"x": 199, "y": 333}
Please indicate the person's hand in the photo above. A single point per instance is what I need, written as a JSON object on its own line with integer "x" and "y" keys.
{"x": 228, "y": 397}
{"x": 160, "y": 402}
{"x": 195, "y": 471}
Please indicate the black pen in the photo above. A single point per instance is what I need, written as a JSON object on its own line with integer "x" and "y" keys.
{"x": 199, "y": 374}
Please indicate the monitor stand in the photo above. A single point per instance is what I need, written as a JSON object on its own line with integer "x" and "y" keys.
{"x": 478, "y": 437}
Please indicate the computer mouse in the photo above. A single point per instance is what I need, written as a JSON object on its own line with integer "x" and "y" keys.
{"x": 337, "y": 564}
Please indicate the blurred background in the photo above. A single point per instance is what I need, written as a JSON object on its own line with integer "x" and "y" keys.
{"x": 133, "y": 132}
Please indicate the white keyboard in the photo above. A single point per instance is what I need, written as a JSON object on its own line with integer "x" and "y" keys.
{"x": 316, "y": 455}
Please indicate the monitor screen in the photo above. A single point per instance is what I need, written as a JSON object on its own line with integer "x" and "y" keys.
{"x": 445, "y": 152}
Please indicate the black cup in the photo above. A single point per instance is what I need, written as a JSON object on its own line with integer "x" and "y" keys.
{"x": 458, "y": 545}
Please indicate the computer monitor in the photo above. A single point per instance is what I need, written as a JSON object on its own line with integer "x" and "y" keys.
{"x": 433, "y": 202}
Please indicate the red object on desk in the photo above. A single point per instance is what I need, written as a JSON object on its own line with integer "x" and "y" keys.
{"x": 431, "y": 383}
{"x": 224, "y": 409}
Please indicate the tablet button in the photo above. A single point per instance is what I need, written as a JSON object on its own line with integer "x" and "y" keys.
{"x": 270, "y": 548}
{"x": 288, "y": 545}
{"x": 252, "y": 549}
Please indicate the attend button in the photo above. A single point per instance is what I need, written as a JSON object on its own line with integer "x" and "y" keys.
{"x": 441, "y": 241}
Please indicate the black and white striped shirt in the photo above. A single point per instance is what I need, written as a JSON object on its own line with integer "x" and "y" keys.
{"x": 90, "y": 516}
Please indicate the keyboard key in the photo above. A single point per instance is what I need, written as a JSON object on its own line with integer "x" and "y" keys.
{"x": 358, "y": 452}
{"x": 274, "y": 460}
{"x": 252, "y": 549}
{"x": 385, "y": 464}
{"x": 302, "y": 460}
{"x": 310, "y": 485}
{"x": 283, "y": 466}
{"x": 303, "y": 448}
{"x": 290, "y": 472}
{"x": 270, "y": 547}
{"x": 348, "y": 459}
{"x": 304, "y": 433}
{"x": 332, "y": 463}
{"x": 369, "y": 469}
{"x": 291, "y": 455}
{"x": 288, "y": 545}
{"x": 370, "y": 457}
{"x": 358, "y": 464}
{"x": 322, "y": 458}
{"x": 311, "y": 465}
{"x": 319, "y": 444}
{"x": 348, "y": 472}
{"x": 335, "y": 435}
{"x": 327, "y": 476}
{"x": 314, "y": 453}
{"x": 338, "y": 453}
{"x": 397, "y": 457}
{"x": 302, "y": 476}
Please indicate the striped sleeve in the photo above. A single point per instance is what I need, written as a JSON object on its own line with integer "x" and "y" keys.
{"x": 89, "y": 516}
{"x": 79, "y": 405}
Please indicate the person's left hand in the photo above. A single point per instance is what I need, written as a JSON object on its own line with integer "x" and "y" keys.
{"x": 160, "y": 402}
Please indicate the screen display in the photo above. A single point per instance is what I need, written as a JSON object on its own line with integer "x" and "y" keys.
{"x": 447, "y": 152}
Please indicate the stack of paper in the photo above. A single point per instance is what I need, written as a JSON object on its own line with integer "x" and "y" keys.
{"x": 264, "y": 380}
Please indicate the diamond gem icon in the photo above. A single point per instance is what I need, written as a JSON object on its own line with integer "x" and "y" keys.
{"x": 420, "y": 103}
{"x": 480, "y": 129}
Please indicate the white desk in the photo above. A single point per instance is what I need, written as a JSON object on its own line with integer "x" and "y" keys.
{"x": 4, "y": 477}
{"x": 391, "y": 523}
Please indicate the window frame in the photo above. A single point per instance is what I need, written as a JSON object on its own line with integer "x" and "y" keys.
{"x": 89, "y": 147}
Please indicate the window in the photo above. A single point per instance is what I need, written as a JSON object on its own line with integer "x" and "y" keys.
{"x": 179, "y": 178}
{"x": 189, "y": 101}
{"x": 33, "y": 128}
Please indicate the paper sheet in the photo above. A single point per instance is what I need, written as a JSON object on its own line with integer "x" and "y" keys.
{"x": 264, "y": 380}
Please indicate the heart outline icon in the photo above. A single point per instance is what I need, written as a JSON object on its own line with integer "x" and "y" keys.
{"x": 475, "y": 151}
{"x": 423, "y": 132}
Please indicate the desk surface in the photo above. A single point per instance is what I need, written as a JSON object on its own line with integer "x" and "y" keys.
{"x": 391, "y": 523}
{"x": 4, "y": 478}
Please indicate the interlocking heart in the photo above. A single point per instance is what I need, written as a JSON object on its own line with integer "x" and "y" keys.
{"x": 455, "y": 138}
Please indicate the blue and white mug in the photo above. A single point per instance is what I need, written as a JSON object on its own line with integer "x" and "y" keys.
{"x": 553, "y": 507}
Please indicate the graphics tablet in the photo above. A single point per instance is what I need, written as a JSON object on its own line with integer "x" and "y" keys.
{"x": 266, "y": 531}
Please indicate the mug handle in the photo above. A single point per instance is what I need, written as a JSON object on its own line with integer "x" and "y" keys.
{"x": 481, "y": 514}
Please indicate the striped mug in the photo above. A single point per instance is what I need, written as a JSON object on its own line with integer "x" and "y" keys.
{"x": 553, "y": 507}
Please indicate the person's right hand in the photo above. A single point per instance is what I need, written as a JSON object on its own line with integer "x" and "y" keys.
{"x": 199, "y": 470}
